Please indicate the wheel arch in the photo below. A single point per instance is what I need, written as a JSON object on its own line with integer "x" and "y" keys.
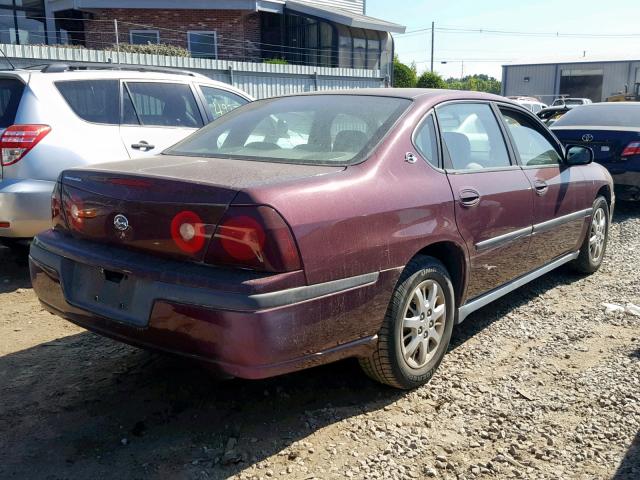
{"x": 453, "y": 257}
{"x": 605, "y": 191}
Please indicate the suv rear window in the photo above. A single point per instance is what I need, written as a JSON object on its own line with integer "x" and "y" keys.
{"x": 10, "y": 95}
{"x": 306, "y": 129}
{"x": 602, "y": 115}
{"x": 95, "y": 101}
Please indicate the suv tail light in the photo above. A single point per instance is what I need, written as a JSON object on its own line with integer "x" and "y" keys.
{"x": 18, "y": 140}
{"x": 256, "y": 238}
{"x": 632, "y": 149}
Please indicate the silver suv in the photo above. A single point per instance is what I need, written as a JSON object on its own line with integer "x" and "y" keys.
{"x": 60, "y": 117}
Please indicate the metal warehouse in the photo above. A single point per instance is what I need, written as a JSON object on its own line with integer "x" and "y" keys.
{"x": 584, "y": 78}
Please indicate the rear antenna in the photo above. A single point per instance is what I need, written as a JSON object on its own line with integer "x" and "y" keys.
{"x": 13, "y": 67}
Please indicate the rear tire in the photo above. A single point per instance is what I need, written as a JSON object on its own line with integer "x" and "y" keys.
{"x": 417, "y": 327}
{"x": 595, "y": 240}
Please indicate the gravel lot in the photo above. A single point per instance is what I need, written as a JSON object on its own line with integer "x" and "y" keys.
{"x": 542, "y": 384}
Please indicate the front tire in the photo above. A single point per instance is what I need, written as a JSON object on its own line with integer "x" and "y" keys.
{"x": 417, "y": 327}
{"x": 594, "y": 244}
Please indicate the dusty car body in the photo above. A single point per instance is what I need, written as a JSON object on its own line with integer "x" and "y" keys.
{"x": 322, "y": 247}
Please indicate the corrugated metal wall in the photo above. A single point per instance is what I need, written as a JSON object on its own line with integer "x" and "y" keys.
{"x": 257, "y": 79}
{"x": 545, "y": 79}
{"x": 530, "y": 80}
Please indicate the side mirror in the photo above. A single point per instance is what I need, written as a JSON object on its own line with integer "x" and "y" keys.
{"x": 579, "y": 155}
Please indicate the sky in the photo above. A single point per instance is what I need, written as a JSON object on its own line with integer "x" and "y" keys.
{"x": 587, "y": 29}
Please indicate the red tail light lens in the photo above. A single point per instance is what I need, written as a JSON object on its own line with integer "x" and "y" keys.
{"x": 632, "y": 149}
{"x": 256, "y": 238}
{"x": 188, "y": 231}
{"x": 18, "y": 140}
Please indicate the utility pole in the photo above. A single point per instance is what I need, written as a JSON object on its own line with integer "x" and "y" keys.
{"x": 462, "y": 70}
{"x": 433, "y": 37}
{"x": 115, "y": 26}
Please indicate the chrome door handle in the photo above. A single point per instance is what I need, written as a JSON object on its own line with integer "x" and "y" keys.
{"x": 469, "y": 197}
{"x": 541, "y": 187}
{"x": 142, "y": 145}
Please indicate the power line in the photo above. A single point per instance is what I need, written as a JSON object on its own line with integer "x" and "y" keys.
{"x": 488, "y": 31}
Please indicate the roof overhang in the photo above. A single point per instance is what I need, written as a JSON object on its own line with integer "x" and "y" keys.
{"x": 344, "y": 17}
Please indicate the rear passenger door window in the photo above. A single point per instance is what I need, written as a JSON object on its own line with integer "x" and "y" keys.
{"x": 164, "y": 104}
{"x": 425, "y": 140}
{"x": 472, "y": 137}
{"x": 219, "y": 102}
{"x": 95, "y": 101}
{"x": 157, "y": 115}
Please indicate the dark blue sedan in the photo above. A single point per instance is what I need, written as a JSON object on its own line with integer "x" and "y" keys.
{"x": 612, "y": 130}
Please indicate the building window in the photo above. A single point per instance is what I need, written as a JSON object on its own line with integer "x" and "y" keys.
{"x": 359, "y": 48}
{"x": 22, "y": 22}
{"x": 143, "y": 37}
{"x": 373, "y": 49}
{"x": 203, "y": 44}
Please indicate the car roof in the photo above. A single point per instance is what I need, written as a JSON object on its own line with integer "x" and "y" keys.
{"x": 128, "y": 73}
{"x": 424, "y": 94}
{"x": 611, "y": 104}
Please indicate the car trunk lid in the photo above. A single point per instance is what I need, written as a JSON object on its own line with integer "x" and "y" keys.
{"x": 170, "y": 206}
{"x": 607, "y": 144}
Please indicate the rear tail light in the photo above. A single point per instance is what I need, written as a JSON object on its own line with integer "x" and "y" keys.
{"x": 255, "y": 238}
{"x": 632, "y": 149}
{"x": 18, "y": 140}
{"x": 188, "y": 232}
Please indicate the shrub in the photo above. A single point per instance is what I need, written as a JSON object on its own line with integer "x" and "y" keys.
{"x": 154, "y": 49}
{"x": 431, "y": 80}
{"x": 276, "y": 61}
{"x": 403, "y": 75}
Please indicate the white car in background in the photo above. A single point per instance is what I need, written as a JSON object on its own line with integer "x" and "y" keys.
{"x": 561, "y": 102}
{"x": 530, "y": 103}
{"x": 62, "y": 116}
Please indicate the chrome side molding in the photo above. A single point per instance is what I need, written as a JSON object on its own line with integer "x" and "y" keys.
{"x": 468, "y": 308}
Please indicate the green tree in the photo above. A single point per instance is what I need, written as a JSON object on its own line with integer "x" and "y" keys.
{"x": 431, "y": 80}
{"x": 403, "y": 75}
{"x": 478, "y": 83}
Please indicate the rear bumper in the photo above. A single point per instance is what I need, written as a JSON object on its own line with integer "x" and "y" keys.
{"x": 26, "y": 205}
{"x": 246, "y": 330}
{"x": 626, "y": 178}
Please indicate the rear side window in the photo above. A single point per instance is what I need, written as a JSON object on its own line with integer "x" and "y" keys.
{"x": 164, "y": 105}
{"x": 10, "y": 95}
{"x": 220, "y": 101}
{"x": 95, "y": 101}
{"x": 624, "y": 114}
{"x": 426, "y": 143}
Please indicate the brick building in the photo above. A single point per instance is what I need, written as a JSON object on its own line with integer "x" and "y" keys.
{"x": 333, "y": 33}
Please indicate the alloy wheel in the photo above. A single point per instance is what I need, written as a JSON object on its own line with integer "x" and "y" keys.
{"x": 423, "y": 324}
{"x": 597, "y": 235}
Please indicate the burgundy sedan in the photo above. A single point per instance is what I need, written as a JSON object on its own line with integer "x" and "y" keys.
{"x": 301, "y": 230}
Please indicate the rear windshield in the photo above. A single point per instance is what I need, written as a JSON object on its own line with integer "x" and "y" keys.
{"x": 311, "y": 129}
{"x": 10, "y": 95}
{"x": 602, "y": 115}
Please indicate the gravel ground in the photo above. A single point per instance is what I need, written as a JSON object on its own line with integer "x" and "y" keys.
{"x": 541, "y": 384}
